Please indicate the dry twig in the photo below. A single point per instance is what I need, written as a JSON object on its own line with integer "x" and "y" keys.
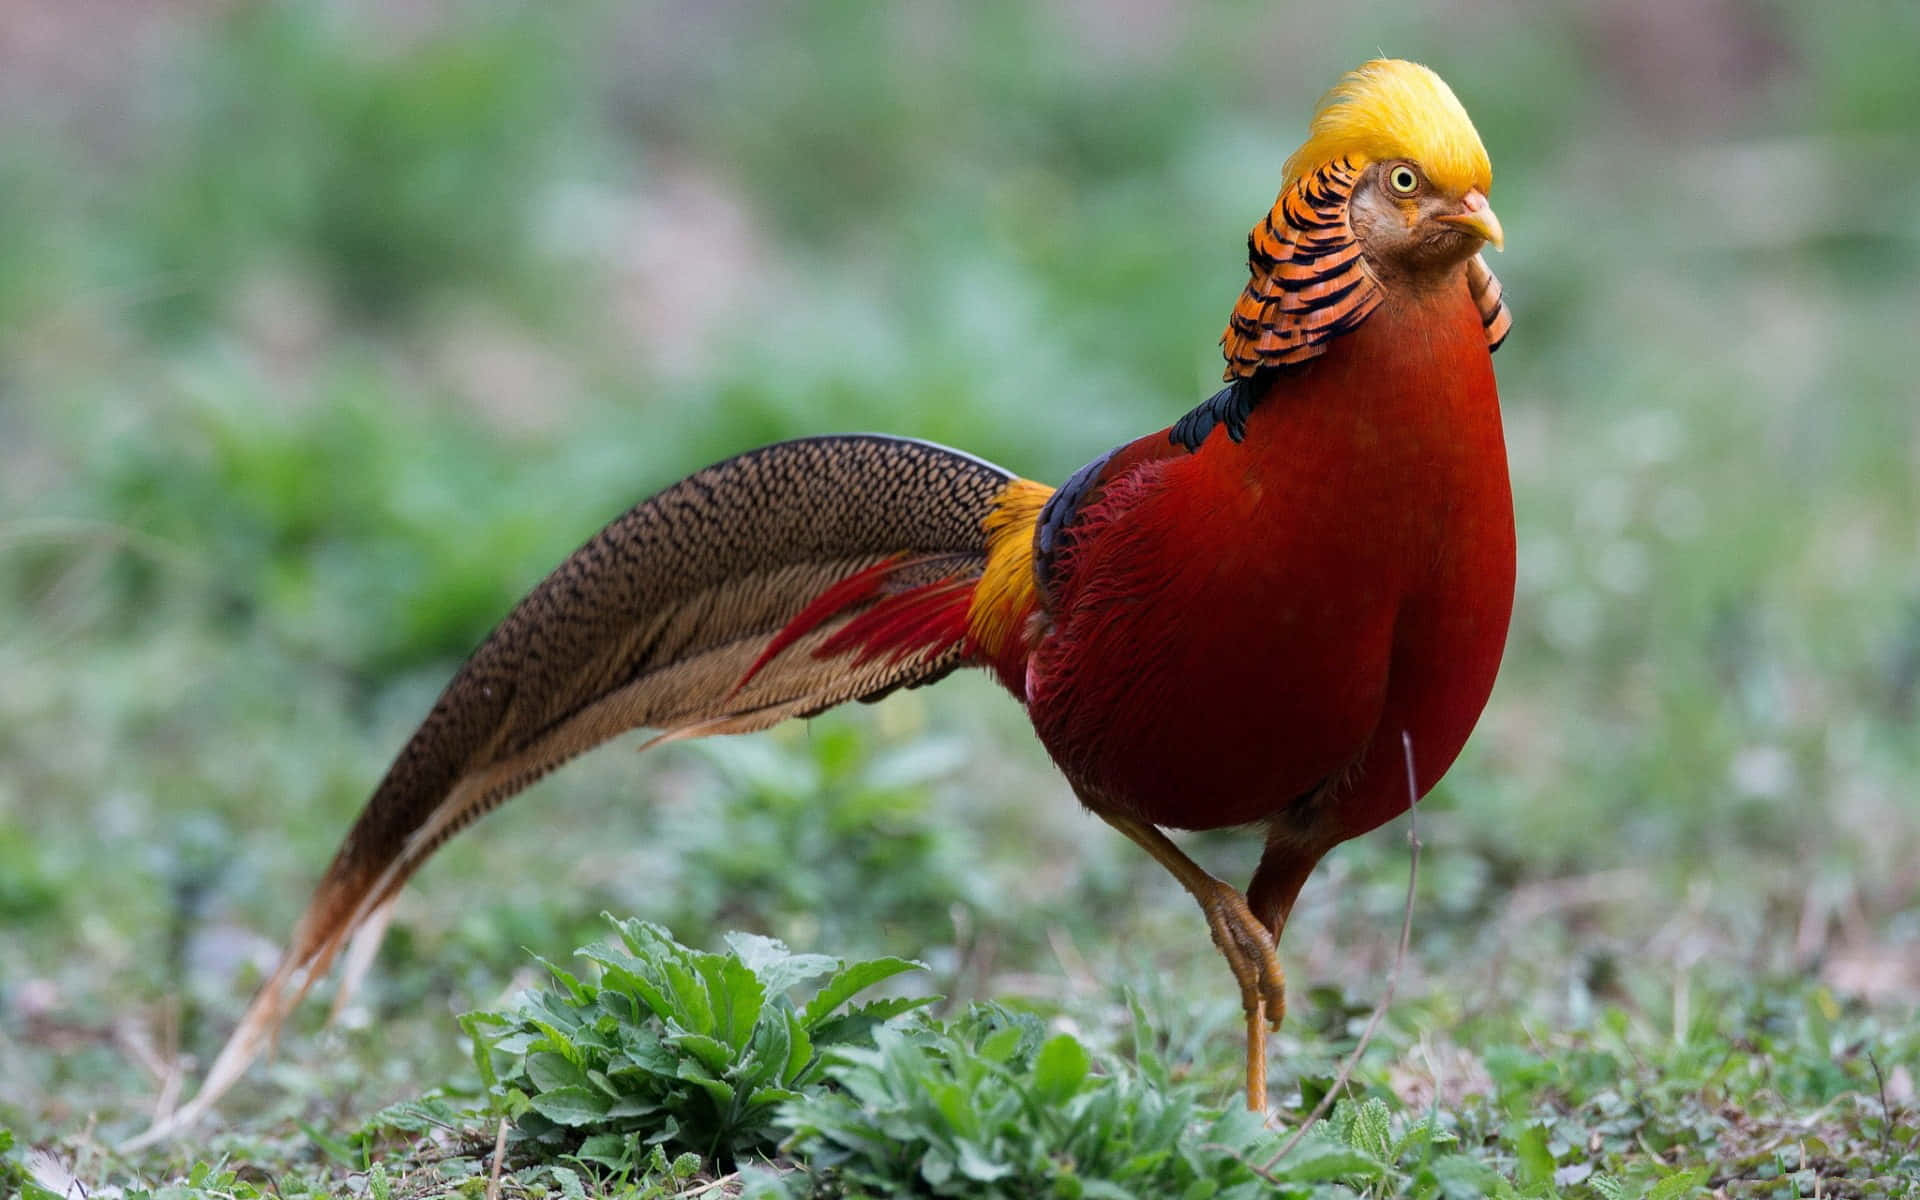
{"x": 499, "y": 1157}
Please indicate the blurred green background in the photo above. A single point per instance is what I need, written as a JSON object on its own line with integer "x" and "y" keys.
{"x": 325, "y": 331}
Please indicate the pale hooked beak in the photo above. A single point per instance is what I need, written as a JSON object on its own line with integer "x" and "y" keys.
{"x": 1476, "y": 217}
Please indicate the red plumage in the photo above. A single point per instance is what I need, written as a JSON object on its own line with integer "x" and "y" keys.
{"x": 1234, "y": 627}
{"x": 930, "y": 616}
{"x": 857, "y": 589}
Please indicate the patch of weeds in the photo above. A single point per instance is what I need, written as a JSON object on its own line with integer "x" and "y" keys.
{"x": 673, "y": 1047}
{"x": 991, "y": 1106}
{"x": 1383, "y": 1150}
{"x": 654, "y": 1176}
{"x": 673, "y": 1062}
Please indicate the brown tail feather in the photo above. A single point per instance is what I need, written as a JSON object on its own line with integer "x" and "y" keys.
{"x": 662, "y": 620}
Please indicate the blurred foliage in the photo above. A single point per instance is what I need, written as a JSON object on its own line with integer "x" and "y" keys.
{"x": 324, "y": 331}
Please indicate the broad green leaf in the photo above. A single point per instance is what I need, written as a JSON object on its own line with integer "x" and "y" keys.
{"x": 518, "y": 1042}
{"x": 571, "y": 1105}
{"x": 683, "y": 1167}
{"x": 624, "y": 978}
{"x": 1536, "y": 1161}
{"x": 951, "y": 1101}
{"x": 721, "y": 1091}
{"x": 611, "y": 1150}
{"x": 1371, "y": 1128}
{"x": 799, "y": 1048}
{"x": 554, "y": 1009}
{"x": 550, "y": 1071}
{"x": 554, "y": 1039}
{"x": 1608, "y": 1187}
{"x": 481, "y": 1041}
{"x": 580, "y": 993}
{"x": 766, "y": 1055}
{"x": 1319, "y": 1161}
{"x": 643, "y": 1049}
{"x": 936, "y": 1168}
{"x": 977, "y": 1165}
{"x": 622, "y": 1006}
{"x": 1144, "y": 1052}
{"x": 778, "y": 968}
{"x": 714, "y": 1055}
{"x": 1059, "y": 1069}
{"x": 569, "y": 1182}
{"x": 1462, "y": 1178}
{"x": 417, "y": 1116}
{"x": 631, "y": 1106}
{"x": 737, "y": 996}
{"x": 850, "y": 981}
{"x": 691, "y": 1007}
{"x": 643, "y": 939}
{"x": 767, "y": 1097}
{"x": 1000, "y": 1045}
{"x": 854, "y": 1024}
{"x": 601, "y": 1080}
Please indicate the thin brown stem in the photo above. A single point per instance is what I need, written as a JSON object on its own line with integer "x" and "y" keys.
{"x": 499, "y": 1159}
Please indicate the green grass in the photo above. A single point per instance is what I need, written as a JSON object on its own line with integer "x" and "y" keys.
{"x": 668, "y": 1071}
{"x": 324, "y": 335}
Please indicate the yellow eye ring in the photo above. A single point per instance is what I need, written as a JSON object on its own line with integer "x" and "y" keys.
{"x": 1403, "y": 179}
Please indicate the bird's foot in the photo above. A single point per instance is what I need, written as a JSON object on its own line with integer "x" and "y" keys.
{"x": 1248, "y": 947}
{"x": 1249, "y": 951}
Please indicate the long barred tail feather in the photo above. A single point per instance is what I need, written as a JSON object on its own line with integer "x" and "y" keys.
{"x": 775, "y": 584}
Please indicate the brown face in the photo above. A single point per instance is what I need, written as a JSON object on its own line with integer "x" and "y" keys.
{"x": 1410, "y": 229}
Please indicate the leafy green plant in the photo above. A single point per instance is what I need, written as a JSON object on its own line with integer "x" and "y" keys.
{"x": 673, "y": 1046}
{"x": 649, "y": 1176}
{"x": 990, "y": 1106}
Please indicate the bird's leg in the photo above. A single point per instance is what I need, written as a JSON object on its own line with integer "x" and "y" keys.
{"x": 1242, "y": 938}
{"x": 1276, "y": 883}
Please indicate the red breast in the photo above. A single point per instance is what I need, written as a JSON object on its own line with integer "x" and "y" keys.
{"x": 1234, "y": 626}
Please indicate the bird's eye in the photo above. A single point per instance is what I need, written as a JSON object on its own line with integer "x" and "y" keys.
{"x": 1404, "y": 180}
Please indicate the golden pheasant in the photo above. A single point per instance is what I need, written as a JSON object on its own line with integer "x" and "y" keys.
{"x": 1232, "y": 621}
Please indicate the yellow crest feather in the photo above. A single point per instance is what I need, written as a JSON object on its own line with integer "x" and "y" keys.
{"x": 1390, "y": 108}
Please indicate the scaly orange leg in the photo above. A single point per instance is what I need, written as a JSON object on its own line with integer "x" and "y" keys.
{"x": 1242, "y": 938}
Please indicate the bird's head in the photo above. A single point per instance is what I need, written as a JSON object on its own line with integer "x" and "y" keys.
{"x": 1420, "y": 205}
